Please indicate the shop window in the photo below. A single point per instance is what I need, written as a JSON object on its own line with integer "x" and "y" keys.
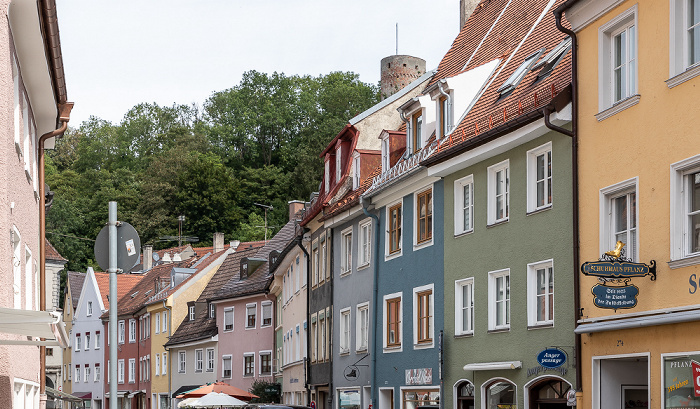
{"x": 348, "y": 398}
{"x": 678, "y": 379}
{"x": 414, "y": 398}
{"x": 501, "y": 394}
{"x": 550, "y": 393}
{"x": 465, "y": 395}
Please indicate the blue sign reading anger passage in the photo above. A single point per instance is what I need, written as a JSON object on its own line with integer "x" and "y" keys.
{"x": 551, "y": 358}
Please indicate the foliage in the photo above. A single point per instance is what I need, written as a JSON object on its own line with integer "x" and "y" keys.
{"x": 255, "y": 143}
{"x": 264, "y": 390}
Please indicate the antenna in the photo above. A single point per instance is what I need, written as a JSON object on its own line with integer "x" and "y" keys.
{"x": 266, "y": 207}
{"x": 180, "y": 238}
{"x": 180, "y": 220}
{"x": 397, "y": 38}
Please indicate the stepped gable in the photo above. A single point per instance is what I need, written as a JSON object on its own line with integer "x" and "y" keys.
{"x": 125, "y": 282}
{"x": 204, "y": 327}
{"x": 76, "y": 280}
{"x": 52, "y": 253}
{"x": 493, "y": 114}
{"x": 258, "y": 280}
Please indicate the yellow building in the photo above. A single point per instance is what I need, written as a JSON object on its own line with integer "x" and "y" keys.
{"x": 168, "y": 308}
{"x": 639, "y": 183}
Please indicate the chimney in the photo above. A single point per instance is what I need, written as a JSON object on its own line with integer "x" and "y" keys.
{"x": 218, "y": 242}
{"x": 466, "y": 8}
{"x": 397, "y": 71}
{"x": 294, "y": 207}
{"x": 234, "y": 244}
{"x": 147, "y": 258}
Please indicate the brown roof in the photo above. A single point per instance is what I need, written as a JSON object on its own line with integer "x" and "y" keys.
{"x": 125, "y": 282}
{"x": 203, "y": 326}
{"x": 52, "y": 253}
{"x": 352, "y": 198}
{"x": 75, "y": 282}
{"x": 258, "y": 280}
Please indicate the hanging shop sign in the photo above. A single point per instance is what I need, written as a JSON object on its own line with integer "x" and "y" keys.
{"x": 613, "y": 269}
{"x": 551, "y": 358}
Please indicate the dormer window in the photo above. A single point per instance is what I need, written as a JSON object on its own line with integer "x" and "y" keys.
{"x": 549, "y": 61}
{"x": 355, "y": 171}
{"x": 327, "y": 176}
{"x": 517, "y": 76}
{"x": 416, "y": 131}
{"x": 338, "y": 161}
{"x": 385, "y": 154}
{"x": 444, "y": 120}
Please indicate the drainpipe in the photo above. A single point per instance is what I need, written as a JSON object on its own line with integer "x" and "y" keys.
{"x": 64, "y": 116}
{"x": 300, "y": 237}
{"x": 574, "y": 159}
{"x": 449, "y": 108}
{"x": 331, "y": 395}
{"x": 170, "y": 371}
{"x": 375, "y": 290}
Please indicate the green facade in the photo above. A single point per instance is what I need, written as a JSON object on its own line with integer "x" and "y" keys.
{"x": 523, "y": 239}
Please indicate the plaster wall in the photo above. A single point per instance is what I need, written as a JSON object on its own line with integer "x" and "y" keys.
{"x": 159, "y": 380}
{"x": 523, "y": 239}
{"x": 190, "y": 291}
{"x": 189, "y": 376}
{"x": 320, "y": 302}
{"x": 95, "y": 354}
{"x": 68, "y": 352}
{"x": 293, "y": 315}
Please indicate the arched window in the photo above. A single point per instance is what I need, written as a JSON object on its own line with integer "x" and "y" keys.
{"x": 550, "y": 393}
{"x": 501, "y": 394}
{"x": 465, "y": 395}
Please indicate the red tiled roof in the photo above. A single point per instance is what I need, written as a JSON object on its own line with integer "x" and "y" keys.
{"x": 352, "y": 198}
{"x": 51, "y": 253}
{"x": 125, "y": 282}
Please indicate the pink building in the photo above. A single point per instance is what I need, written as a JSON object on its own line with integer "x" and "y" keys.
{"x": 32, "y": 99}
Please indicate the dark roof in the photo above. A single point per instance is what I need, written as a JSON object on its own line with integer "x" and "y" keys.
{"x": 258, "y": 280}
{"x": 52, "y": 253}
{"x": 204, "y": 327}
{"x": 75, "y": 282}
{"x": 352, "y": 198}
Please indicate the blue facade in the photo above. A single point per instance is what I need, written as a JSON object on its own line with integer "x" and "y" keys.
{"x": 409, "y": 371}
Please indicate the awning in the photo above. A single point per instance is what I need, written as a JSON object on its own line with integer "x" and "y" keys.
{"x": 35, "y": 324}
{"x": 83, "y": 395}
{"x": 56, "y": 394}
{"x": 182, "y": 389}
{"x": 120, "y": 394}
{"x": 675, "y": 317}
{"x": 492, "y": 366}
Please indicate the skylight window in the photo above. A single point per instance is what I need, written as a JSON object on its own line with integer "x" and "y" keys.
{"x": 549, "y": 61}
{"x": 519, "y": 73}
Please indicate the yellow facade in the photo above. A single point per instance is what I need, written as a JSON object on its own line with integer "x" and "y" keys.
{"x": 633, "y": 150}
{"x": 159, "y": 336}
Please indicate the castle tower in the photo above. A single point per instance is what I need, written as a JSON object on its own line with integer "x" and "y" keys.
{"x": 397, "y": 71}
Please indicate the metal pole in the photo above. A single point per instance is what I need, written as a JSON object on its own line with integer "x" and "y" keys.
{"x": 112, "y": 270}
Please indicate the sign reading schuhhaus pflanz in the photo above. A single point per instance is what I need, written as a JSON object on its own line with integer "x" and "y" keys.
{"x": 618, "y": 269}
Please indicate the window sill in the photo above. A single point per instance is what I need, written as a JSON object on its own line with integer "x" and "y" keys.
{"x": 345, "y": 273}
{"x": 684, "y": 262}
{"x": 426, "y": 345}
{"x": 248, "y": 328}
{"x": 361, "y": 350}
{"x": 344, "y": 353}
{"x": 362, "y": 267}
{"x": 247, "y": 376}
{"x": 540, "y": 210}
{"x": 392, "y": 349}
{"x": 497, "y": 223}
{"x": 690, "y": 73}
{"x": 394, "y": 255}
{"x": 618, "y": 107}
{"x": 541, "y": 326}
{"x": 423, "y": 244}
{"x": 466, "y": 335}
{"x": 498, "y": 330}
{"x": 464, "y": 233}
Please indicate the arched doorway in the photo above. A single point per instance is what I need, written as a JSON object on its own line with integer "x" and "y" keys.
{"x": 500, "y": 393}
{"x": 49, "y": 382}
{"x": 550, "y": 393}
{"x": 464, "y": 395}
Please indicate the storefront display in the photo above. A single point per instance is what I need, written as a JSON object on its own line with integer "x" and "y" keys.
{"x": 420, "y": 397}
{"x": 349, "y": 399}
{"x": 678, "y": 381}
{"x": 501, "y": 395}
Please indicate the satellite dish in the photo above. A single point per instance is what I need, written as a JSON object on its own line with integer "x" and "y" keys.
{"x": 156, "y": 257}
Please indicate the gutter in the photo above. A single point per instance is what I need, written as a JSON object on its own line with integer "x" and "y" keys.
{"x": 64, "y": 116}
{"x": 574, "y": 159}
{"x": 375, "y": 290}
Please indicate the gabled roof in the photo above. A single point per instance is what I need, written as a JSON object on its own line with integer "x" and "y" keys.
{"x": 125, "y": 282}
{"x": 352, "y": 198}
{"x": 258, "y": 280}
{"x": 52, "y": 253}
{"x": 75, "y": 282}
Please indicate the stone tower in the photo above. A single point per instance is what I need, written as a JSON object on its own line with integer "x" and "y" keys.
{"x": 398, "y": 71}
{"x": 466, "y": 7}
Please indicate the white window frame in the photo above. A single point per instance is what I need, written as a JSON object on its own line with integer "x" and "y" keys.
{"x": 97, "y": 373}
{"x": 164, "y": 367}
{"x": 164, "y": 322}
{"x": 315, "y": 257}
{"x": 182, "y": 362}
{"x": 132, "y": 370}
{"x": 28, "y": 276}
{"x": 606, "y": 35}
{"x": 97, "y": 339}
{"x": 122, "y": 330}
{"x": 314, "y": 337}
{"x": 246, "y": 355}
{"x": 493, "y": 275}
{"x": 211, "y": 360}
{"x": 323, "y": 262}
{"x": 356, "y": 170}
{"x": 264, "y": 304}
{"x": 346, "y": 251}
{"x": 17, "y": 267}
{"x": 680, "y": 67}
{"x": 327, "y": 176}
{"x": 428, "y": 242}
{"x": 225, "y": 358}
{"x": 362, "y": 345}
{"x": 77, "y": 373}
{"x": 364, "y": 247}
{"x": 492, "y": 171}
{"x": 87, "y": 373}
{"x": 460, "y": 208}
{"x": 157, "y": 323}
{"x": 132, "y": 330}
{"x": 191, "y": 312}
{"x": 386, "y": 153}
{"x": 431, "y": 322}
{"x": 87, "y": 341}
{"x": 77, "y": 342}
{"x": 681, "y": 254}
{"x": 89, "y": 309}
{"x": 607, "y": 194}
{"x": 532, "y": 304}
{"x": 387, "y": 255}
{"x": 247, "y": 308}
{"x": 338, "y": 164}
{"x": 260, "y": 371}
{"x": 532, "y": 181}
{"x": 460, "y": 307}
{"x": 344, "y": 331}
{"x": 230, "y": 310}
{"x": 385, "y": 314}
{"x": 198, "y": 360}
{"x": 157, "y": 364}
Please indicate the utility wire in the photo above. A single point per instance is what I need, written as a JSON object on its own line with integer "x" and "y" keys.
{"x": 67, "y": 235}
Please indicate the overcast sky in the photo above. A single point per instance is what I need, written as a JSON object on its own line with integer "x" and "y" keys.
{"x": 121, "y": 53}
